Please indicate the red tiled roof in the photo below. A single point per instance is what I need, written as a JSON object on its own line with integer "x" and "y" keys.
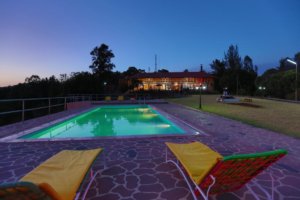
{"x": 173, "y": 75}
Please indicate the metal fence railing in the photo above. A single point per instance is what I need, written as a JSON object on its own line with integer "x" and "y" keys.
{"x": 15, "y": 110}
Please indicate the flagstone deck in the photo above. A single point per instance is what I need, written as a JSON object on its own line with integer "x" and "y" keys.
{"x": 135, "y": 168}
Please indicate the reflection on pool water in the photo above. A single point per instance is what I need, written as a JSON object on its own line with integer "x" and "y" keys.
{"x": 111, "y": 121}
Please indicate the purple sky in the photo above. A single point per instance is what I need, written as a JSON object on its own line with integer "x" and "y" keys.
{"x": 47, "y": 38}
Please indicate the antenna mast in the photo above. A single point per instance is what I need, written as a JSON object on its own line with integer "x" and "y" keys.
{"x": 155, "y": 69}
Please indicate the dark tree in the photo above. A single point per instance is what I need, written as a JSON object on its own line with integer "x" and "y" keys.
{"x": 280, "y": 81}
{"x": 101, "y": 57}
{"x": 83, "y": 83}
{"x": 248, "y": 64}
{"x": 130, "y": 82}
{"x": 283, "y": 65}
{"x": 132, "y": 71}
{"x": 279, "y": 84}
{"x": 32, "y": 78}
{"x": 63, "y": 77}
{"x": 163, "y": 71}
{"x": 231, "y": 73}
{"x": 232, "y": 58}
{"x": 219, "y": 69}
{"x": 233, "y": 65}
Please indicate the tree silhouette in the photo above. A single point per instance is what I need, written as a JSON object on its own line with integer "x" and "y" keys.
{"x": 232, "y": 58}
{"x": 297, "y": 58}
{"x": 131, "y": 71}
{"x": 219, "y": 69}
{"x": 130, "y": 82}
{"x": 248, "y": 75}
{"x": 101, "y": 57}
{"x": 233, "y": 64}
{"x": 32, "y": 78}
{"x": 163, "y": 71}
{"x": 248, "y": 64}
{"x": 231, "y": 73}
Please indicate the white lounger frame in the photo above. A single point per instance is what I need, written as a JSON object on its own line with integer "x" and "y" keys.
{"x": 92, "y": 178}
{"x": 205, "y": 194}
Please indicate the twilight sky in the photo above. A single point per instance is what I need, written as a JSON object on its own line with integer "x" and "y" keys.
{"x": 51, "y": 37}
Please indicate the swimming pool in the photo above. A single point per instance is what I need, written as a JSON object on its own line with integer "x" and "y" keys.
{"x": 121, "y": 120}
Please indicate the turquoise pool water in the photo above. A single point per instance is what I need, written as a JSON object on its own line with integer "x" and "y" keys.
{"x": 110, "y": 121}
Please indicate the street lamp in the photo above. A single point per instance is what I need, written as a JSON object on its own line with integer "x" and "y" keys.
{"x": 262, "y": 89}
{"x": 200, "y": 101}
{"x": 105, "y": 83}
{"x": 296, "y": 90}
{"x": 200, "y": 93}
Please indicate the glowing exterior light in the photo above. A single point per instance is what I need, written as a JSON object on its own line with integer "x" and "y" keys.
{"x": 261, "y": 88}
{"x": 296, "y": 85}
{"x": 291, "y": 61}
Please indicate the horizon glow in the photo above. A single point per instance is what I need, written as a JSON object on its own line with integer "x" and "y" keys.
{"x": 55, "y": 37}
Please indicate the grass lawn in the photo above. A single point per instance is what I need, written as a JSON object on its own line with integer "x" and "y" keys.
{"x": 274, "y": 115}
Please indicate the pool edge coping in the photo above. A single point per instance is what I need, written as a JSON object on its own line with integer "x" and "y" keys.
{"x": 15, "y": 137}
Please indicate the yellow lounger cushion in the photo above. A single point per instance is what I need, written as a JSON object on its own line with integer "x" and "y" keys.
{"x": 197, "y": 158}
{"x": 120, "y": 98}
{"x": 45, "y": 187}
{"x": 64, "y": 172}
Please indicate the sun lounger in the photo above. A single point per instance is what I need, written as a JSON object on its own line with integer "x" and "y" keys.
{"x": 120, "y": 98}
{"x": 211, "y": 173}
{"x": 107, "y": 98}
{"x": 60, "y": 177}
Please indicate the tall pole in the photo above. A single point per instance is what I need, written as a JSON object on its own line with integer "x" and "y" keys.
{"x": 200, "y": 100}
{"x": 237, "y": 84}
{"x": 23, "y": 110}
{"x": 200, "y": 90}
{"x": 296, "y": 91}
{"x": 296, "y": 84}
{"x": 155, "y": 69}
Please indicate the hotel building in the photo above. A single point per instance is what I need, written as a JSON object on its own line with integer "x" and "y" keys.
{"x": 174, "y": 81}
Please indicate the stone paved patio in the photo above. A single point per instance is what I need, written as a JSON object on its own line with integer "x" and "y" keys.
{"x": 134, "y": 168}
